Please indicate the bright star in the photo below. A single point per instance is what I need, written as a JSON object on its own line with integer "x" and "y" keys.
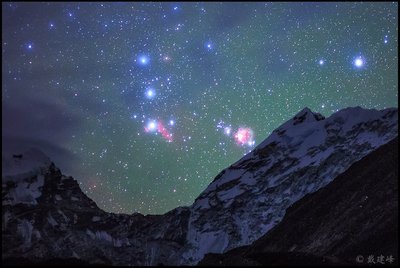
{"x": 321, "y": 62}
{"x": 358, "y": 62}
{"x": 385, "y": 40}
{"x": 150, "y": 93}
{"x": 171, "y": 122}
{"x": 30, "y": 46}
{"x": 143, "y": 60}
{"x": 166, "y": 58}
{"x": 251, "y": 143}
{"x": 151, "y": 126}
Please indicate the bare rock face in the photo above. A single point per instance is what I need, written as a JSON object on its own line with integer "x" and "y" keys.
{"x": 46, "y": 216}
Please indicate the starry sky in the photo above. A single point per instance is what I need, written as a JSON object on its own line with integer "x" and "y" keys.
{"x": 145, "y": 103}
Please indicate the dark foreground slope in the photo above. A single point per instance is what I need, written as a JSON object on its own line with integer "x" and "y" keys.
{"x": 352, "y": 218}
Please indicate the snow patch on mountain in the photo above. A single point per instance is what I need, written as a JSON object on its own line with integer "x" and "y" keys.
{"x": 22, "y": 177}
{"x": 25, "y": 192}
{"x": 25, "y": 230}
{"x": 51, "y": 220}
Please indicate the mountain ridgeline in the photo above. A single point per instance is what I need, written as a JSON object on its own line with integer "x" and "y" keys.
{"x": 46, "y": 216}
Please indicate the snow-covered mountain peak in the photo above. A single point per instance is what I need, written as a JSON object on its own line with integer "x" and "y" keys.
{"x": 301, "y": 156}
{"x": 22, "y": 165}
{"x": 303, "y": 117}
{"x": 306, "y": 115}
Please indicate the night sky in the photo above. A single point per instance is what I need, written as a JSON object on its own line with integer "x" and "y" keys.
{"x": 144, "y": 103}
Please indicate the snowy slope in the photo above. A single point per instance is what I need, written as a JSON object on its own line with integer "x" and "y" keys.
{"x": 302, "y": 155}
{"x": 22, "y": 177}
{"x": 355, "y": 214}
{"x": 46, "y": 215}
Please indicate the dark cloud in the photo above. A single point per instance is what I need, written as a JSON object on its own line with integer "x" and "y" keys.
{"x": 42, "y": 122}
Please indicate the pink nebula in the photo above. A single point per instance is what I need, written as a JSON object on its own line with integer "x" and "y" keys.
{"x": 164, "y": 132}
{"x": 243, "y": 136}
{"x": 158, "y": 127}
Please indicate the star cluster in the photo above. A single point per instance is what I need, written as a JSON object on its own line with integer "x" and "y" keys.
{"x": 144, "y": 103}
